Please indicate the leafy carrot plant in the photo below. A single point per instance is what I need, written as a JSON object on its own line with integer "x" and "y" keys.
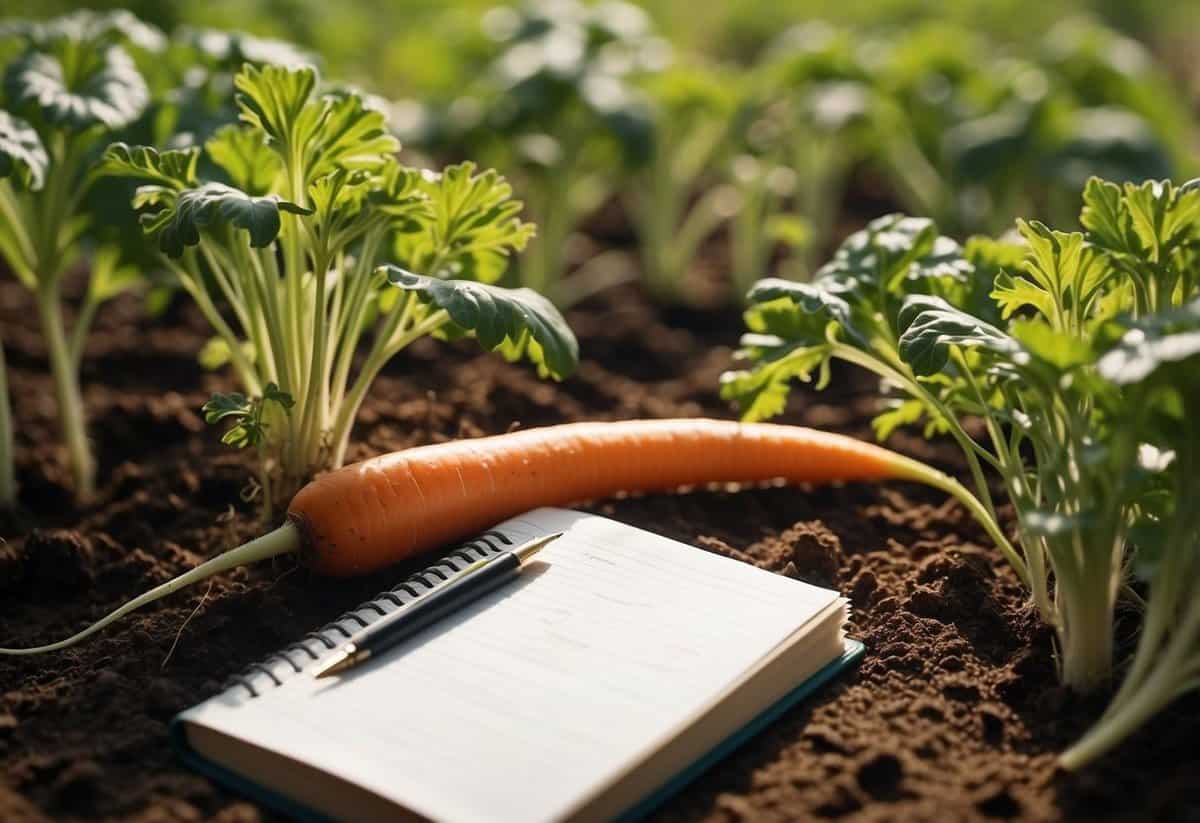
{"x": 298, "y": 241}
{"x": 1009, "y": 336}
{"x": 1151, "y": 392}
{"x": 557, "y": 106}
{"x": 674, "y": 207}
{"x": 72, "y": 86}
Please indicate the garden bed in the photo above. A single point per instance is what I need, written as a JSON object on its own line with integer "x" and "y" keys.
{"x": 955, "y": 713}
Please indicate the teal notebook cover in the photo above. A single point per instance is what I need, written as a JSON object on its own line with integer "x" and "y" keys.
{"x": 243, "y": 786}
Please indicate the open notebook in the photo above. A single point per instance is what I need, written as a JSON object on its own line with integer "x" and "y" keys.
{"x": 606, "y": 676}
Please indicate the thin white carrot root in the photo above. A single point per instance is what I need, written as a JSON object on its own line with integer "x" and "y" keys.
{"x": 284, "y": 540}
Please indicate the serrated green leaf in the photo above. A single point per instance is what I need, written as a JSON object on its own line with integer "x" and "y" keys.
{"x": 338, "y": 197}
{"x": 901, "y": 413}
{"x": 252, "y": 165}
{"x": 194, "y": 209}
{"x": 175, "y": 168}
{"x": 1060, "y": 349}
{"x": 520, "y": 319}
{"x": 1062, "y": 266}
{"x": 1161, "y": 215}
{"x": 1015, "y": 293}
{"x": 22, "y": 156}
{"x": 761, "y": 393}
{"x": 100, "y": 88}
{"x": 222, "y": 406}
{"x": 249, "y": 428}
{"x": 994, "y": 253}
{"x": 275, "y": 99}
{"x": 475, "y": 225}
{"x": 1107, "y": 219}
{"x": 400, "y": 194}
{"x": 351, "y": 135}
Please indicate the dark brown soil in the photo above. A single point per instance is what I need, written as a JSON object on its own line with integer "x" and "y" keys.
{"x": 954, "y": 713}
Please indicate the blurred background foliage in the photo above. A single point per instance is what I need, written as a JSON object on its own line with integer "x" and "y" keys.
{"x": 654, "y": 139}
{"x": 419, "y": 47}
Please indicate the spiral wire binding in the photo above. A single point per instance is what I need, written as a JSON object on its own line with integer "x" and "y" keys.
{"x": 414, "y": 586}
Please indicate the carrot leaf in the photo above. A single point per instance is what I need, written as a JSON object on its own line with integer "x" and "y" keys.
{"x": 175, "y": 168}
{"x": 213, "y": 203}
{"x": 516, "y": 322}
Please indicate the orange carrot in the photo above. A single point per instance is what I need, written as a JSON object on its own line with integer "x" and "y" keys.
{"x": 371, "y": 514}
{"x": 366, "y": 516}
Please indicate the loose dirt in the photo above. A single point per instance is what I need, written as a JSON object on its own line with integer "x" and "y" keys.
{"x": 953, "y": 715}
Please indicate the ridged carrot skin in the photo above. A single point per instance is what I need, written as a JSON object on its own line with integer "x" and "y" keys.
{"x": 380, "y": 511}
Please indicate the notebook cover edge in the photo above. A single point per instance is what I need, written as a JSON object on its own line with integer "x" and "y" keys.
{"x": 852, "y": 652}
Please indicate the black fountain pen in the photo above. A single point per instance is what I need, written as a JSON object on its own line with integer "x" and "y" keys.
{"x": 470, "y": 584}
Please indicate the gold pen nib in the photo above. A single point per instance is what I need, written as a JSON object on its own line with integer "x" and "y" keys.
{"x": 348, "y": 657}
{"x": 528, "y": 550}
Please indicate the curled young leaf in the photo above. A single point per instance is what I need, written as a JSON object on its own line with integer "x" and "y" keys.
{"x": 761, "y": 393}
{"x": 516, "y": 322}
{"x": 175, "y": 168}
{"x": 930, "y": 327}
{"x": 194, "y": 209}
{"x": 249, "y": 428}
{"x": 22, "y": 156}
{"x": 816, "y": 305}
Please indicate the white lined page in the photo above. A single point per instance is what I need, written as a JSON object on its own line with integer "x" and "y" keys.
{"x": 543, "y": 690}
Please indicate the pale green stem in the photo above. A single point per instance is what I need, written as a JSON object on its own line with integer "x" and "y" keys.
{"x": 1170, "y": 677}
{"x": 23, "y": 248}
{"x": 1086, "y": 632}
{"x": 80, "y": 329}
{"x": 352, "y": 321}
{"x": 340, "y": 437}
{"x": 66, "y": 389}
{"x": 245, "y": 369}
{"x": 971, "y": 450}
{"x": 314, "y": 418}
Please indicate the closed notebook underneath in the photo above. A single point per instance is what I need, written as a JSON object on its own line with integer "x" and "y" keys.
{"x": 606, "y": 668}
